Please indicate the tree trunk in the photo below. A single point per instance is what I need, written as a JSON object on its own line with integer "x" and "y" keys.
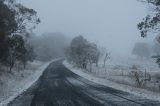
{"x": 24, "y": 65}
{"x": 11, "y": 66}
{"x": 11, "y": 59}
{"x": 90, "y": 66}
{"x": 104, "y": 63}
{"x": 105, "y": 59}
{"x": 97, "y": 64}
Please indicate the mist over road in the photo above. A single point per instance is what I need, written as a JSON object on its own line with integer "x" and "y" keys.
{"x": 58, "y": 86}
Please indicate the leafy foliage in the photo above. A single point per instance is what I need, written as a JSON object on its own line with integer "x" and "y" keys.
{"x": 7, "y": 26}
{"x": 26, "y": 54}
{"x": 81, "y": 52}
{"x": 16, "y": 21}
{"x": 151, "y": 22}
{"x": 16, "y": 44}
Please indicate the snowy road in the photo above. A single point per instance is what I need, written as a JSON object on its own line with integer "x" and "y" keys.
{"x": 60, "y": 87}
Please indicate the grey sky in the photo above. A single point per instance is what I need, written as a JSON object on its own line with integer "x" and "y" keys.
{"x": 112, "y": 23}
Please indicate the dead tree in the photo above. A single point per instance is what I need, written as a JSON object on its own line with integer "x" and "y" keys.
{"x": 105, "y": 59}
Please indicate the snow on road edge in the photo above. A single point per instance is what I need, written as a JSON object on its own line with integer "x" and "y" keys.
{"x": 29, "y": 84}
{"x": 136, "y": 91}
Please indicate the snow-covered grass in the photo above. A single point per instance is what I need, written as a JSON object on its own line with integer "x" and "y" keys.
{"x": 116, "y": 75}
{"x": 16, "y": 82}
{"x": 120, "y": 71}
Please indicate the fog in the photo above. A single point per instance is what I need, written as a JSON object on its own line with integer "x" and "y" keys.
{"x": 109, "y": 23}
{"x": 49, "y": 45}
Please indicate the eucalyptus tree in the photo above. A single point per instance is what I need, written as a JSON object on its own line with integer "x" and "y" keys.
{"x": 16, "y": 21}
{"x": 151, "y": 23}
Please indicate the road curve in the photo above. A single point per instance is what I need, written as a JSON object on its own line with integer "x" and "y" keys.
{"x": 58, "y": 86}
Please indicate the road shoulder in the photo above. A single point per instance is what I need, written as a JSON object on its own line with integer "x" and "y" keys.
{"x": 135, "y": 91}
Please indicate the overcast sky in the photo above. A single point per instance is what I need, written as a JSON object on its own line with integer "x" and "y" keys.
{"x": 111, "y": 23}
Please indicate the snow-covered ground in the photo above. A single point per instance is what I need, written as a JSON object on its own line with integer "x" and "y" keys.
{"x": 120, "y": 71}
{"x": 115, "y": 75}
{"x": 16, "y": 82}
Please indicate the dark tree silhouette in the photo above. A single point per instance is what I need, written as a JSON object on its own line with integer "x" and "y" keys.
{"x": 16, "y": 21}
{"x": 82, "y": 53}
{"x": 152, "y": 21}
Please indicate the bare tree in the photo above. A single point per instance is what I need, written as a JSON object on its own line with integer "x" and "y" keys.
{"x": 137, "y": 75}
{"x": 107, "y": 57}
{"x": 140, "y": 77}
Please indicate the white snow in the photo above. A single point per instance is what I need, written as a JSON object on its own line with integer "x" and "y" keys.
{"x": 15, "y": 83}
{"x": 98, "y": 78}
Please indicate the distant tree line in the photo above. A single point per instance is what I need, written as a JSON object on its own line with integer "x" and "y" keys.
{"x": 16, "y": 21}
{"x": 49, "y": 45}
{"x": 141, "y": 50}
{"x": 82, "y": 52}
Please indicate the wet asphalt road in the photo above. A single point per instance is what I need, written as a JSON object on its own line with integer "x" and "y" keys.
{"x": 60, "y": 87}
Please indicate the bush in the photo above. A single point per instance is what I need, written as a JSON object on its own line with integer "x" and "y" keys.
{"x": 140, "y": 77}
